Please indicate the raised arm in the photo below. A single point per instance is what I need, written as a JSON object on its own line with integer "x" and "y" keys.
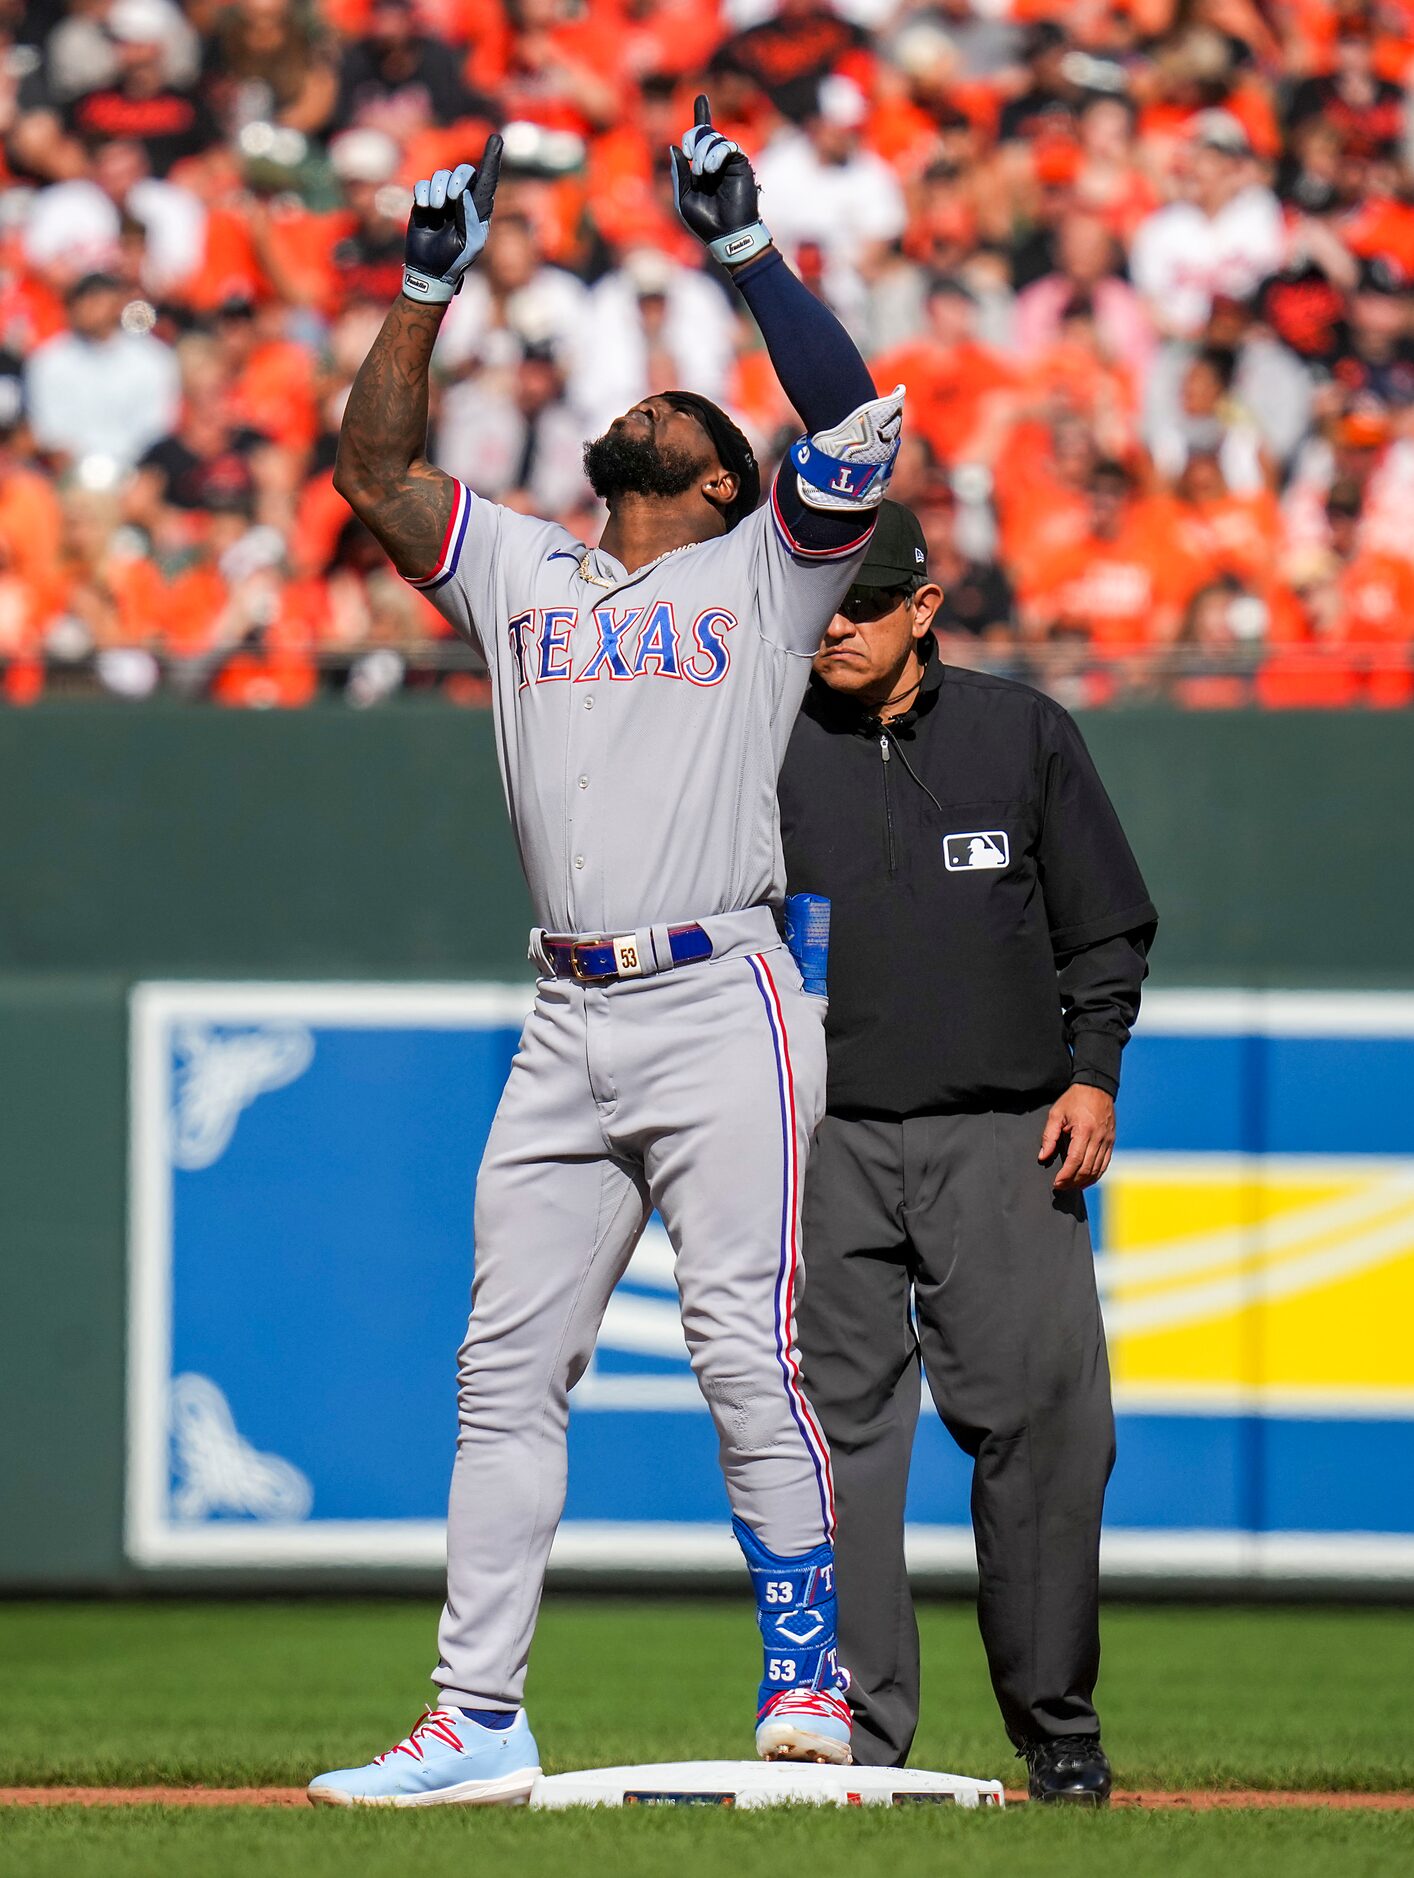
{"x": 382, "y": 470}
{"x": 815, "y": 359}
{"x": 843, "y": 463}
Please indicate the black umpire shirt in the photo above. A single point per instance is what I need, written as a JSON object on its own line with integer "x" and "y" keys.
{"x": 989, "y": 925}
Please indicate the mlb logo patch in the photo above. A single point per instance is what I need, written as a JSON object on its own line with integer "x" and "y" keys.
{"x": 987, "y": 847}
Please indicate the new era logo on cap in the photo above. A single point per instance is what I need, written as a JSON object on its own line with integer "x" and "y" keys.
{"x": 983, "y": 848}
{"x": 897, "y": 549}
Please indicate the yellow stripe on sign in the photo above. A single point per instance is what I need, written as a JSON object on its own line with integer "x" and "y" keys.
{"x": 1260, "y": 1273}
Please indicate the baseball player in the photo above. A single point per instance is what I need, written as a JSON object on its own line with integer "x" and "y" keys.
{"x": 644, "y": 691}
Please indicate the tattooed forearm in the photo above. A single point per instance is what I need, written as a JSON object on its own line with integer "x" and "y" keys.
{"x": 382, "y": 470}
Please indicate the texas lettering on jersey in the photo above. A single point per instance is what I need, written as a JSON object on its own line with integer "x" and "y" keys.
{"x": 579, "y": 645}
{"x": 632, "y": 705}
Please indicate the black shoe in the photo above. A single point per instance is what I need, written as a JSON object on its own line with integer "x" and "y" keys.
{"x": 1067, "y": 1770}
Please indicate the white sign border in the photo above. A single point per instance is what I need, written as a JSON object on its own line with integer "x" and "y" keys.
{"x": 151, "y": 1539}
{"x": 943, "y": 1553}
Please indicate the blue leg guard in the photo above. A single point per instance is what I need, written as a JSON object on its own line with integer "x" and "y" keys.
{"x": 795, "y": 1607}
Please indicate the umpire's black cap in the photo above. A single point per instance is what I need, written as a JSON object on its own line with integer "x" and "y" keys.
{"x": 734, "y": 453}
{"x": 897, "y": 551}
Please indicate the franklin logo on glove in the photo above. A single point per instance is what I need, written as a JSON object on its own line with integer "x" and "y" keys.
{"x": 715, "y": 190}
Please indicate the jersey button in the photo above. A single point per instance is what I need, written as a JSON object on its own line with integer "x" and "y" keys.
{"x": 584, "y": 782}
{"x": 579, "y": 860}
{"x": 589, "y": 704}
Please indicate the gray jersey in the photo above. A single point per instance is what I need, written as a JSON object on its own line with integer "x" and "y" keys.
{"x": 641, "y": 719}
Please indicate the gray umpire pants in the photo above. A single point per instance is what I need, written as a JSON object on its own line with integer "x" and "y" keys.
{"x": 953, "y": 1216}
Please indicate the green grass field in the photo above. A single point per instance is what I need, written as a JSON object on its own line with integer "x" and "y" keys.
{"x": 247, "y": 1694}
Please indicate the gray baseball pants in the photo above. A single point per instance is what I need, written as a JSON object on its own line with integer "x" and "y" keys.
{"x": 952, "y": 1215}
{"x": 697, "y": 1092}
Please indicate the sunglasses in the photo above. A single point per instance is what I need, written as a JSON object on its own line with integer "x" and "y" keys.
{"x": 863, "y": 604}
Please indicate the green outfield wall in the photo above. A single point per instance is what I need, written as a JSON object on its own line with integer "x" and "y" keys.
{"x": 159, "y": 841}
{"x": 146, "y": 841}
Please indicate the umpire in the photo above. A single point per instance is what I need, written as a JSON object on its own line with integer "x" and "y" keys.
{"x": 989, "y": 932}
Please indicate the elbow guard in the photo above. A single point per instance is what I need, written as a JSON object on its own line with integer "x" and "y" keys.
{"x": 849, "y": 465}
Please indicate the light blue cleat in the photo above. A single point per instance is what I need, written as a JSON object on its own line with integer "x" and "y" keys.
{"x": 805, "y": 1725}
{"x": 447, "y": 1760}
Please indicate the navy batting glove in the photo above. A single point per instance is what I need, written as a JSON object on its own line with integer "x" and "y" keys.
{"x": 715, "y": 191}
{"x": 451, "y": 217}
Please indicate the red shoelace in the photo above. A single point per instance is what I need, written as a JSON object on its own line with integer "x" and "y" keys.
{"x": 436, "y": 1722}
{"x": 824, "y": 1702}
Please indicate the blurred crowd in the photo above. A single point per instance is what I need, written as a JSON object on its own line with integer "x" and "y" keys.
{"x": 1145, "y": 266}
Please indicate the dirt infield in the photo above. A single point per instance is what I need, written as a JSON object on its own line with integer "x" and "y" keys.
{"x": 1196, "y": 1802}
{"x": 152, "y": 1796}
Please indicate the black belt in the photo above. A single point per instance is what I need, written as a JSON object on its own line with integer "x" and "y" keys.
{"x": 600, "y": 961}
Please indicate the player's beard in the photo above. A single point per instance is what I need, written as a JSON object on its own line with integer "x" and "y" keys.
{"x": 620, "y": 465}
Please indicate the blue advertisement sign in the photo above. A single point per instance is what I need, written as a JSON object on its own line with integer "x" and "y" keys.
{"x": 303, "y": 1165}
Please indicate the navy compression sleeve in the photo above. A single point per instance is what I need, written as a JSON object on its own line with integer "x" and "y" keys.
{"x": 824, "y": 377}
{"x": 815, "y": 359}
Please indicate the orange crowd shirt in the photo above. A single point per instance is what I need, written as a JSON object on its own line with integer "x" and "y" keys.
{"x": 1037, "y": 511}
{"x": 628, "y": 207}
{"x": 192, "y": 605}
{"x": 675, "y": 36}
{"x": 262, "y": 681}
{"x": 1038, "y": 524}
{"x": 227, "y": 268}
{"x": 1083, "y": 377}
{"x": 947, "y": 388}
{"x": 30, "y": 522}
{"x": 1376, "y": 602}
{"x": 532, "y": 87}
{"x": 130, "y": 584}
{"x": 1379, "y": 225}
{"x": 21, "y": 615}
{"x": 275, "y": 394}
{"x": 1236, "y": 534}
{"x": 1126, "y": 591}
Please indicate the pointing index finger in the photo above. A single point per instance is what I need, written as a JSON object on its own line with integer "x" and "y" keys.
{"x": 483, "y": 189}
{"x": 701, "y": 110}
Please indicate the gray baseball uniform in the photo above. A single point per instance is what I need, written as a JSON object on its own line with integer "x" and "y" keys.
{"x": 641, "y": 720}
